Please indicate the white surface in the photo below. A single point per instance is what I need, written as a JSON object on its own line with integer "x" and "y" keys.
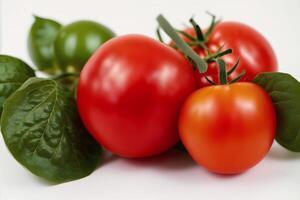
{"x": 172, "y": 175}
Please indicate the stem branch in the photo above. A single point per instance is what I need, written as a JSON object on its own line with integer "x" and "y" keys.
{"x": 183, "y": 46}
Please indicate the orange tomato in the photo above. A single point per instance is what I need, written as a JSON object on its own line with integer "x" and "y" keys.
{"x": 228, "y": 128}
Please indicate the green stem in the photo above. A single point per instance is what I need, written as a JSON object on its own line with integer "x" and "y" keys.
{"x": 211, "y": 27}
{"x": 211, "y": 58}
{"x": 159, "y": 35}
{"x": 222, "y": 71}
{"x": 198, "y": 43}
{"x": 210, "y": 81}
{"x": 198, "y": 31}
{"x": 64, "y": 75}
{"x": 187, "y": 35}
{"x": 238, "y": 77}
{"x": 183, "y": 46}
{"x": 234, "y": 67}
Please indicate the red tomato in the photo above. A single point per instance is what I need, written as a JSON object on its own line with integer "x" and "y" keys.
{"x": 228, "y": 128}
{"x": 130, "y": 93}
{"x": 255, "y": 53}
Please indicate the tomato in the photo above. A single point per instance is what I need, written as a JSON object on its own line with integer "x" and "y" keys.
{"x": 76, "y": 42}
{"x": 228, "y": 128}
{"x": 130, "y": 93}
{"x": 255, "y": 53}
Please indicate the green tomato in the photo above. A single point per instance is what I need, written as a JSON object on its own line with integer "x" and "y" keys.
{"x": 76, "y": 42}
{"x": 40, "y": 43}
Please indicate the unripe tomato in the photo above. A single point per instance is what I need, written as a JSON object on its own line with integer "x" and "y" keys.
{"x": 228, "y": 128}
{"x": 76, "y": 42}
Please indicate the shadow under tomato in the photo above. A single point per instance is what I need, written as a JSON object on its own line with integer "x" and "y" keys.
{"x": 107, "y": 158}
{"x": 168, "y": 164}
{"x": 279, "y": 153}
{"x": 170, "y": 160}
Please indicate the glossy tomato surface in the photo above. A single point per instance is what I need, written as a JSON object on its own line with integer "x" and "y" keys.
{"x": 228, "y": 128}
{"x": 130, "y": 93}
{"x": 76, "y": 42}
{"x": 255, "y": 52}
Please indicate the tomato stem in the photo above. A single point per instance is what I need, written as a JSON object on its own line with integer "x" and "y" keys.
{"x": 234, "y": 67}
{"x": 223, "y": 75}
{"x": 198, "y": 43}
{"x": 210, "y": 81}
{"x": 190, "y": 37}
{"x": 198, "y": 30}
{"x": 159, "y": 35}
{"x": 212, "y": 57}
{"x": 200, "y": 37}
{"x": 199, "y": 40}
{"x": 238, "y": 77}
{"x": 222, "y": 71}
{"x": 180, "y": 44}
{"x": 212, "y": 25}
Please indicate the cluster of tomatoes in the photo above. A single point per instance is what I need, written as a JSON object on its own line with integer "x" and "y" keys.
{"x": 139, "y": 97}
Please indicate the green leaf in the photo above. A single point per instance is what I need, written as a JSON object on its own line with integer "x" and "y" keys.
{"x": 13, "y": 73}
{"x": 42, "y": 129}
{"x": 41, "y": 44}
{"x": 285, "y": 93}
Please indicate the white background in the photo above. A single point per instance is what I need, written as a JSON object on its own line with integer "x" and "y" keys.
{"x": 172, "y": 175}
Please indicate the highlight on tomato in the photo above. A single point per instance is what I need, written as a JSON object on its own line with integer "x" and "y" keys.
{"x": 228, "y": 128}
{"x": 130, "y": 93}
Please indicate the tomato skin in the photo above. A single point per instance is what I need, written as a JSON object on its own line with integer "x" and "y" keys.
{"x": 130, "y": 93}
{"x": 255, "y": 52}
{"x": 228, "y": 128}
{"x": 76, "y": 42}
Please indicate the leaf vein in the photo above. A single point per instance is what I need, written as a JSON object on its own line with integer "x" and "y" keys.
{"x": 47, "y": 123}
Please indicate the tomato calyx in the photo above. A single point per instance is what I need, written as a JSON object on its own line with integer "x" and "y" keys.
{"x": 201, "y": 37}
{"x": 186, "y": 47}
{"x": 190, "y": 54}
{"x": 223, "y": 74}
{"x": 197, "y": 62}
{"x": 211, "y": 57}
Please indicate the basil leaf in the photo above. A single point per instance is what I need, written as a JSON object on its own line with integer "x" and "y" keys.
{"x": 40, "y": 44}
{"x": 42, "y": 129}
{"x": 13, "y": 73}
{"x": 285, "y": 93}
